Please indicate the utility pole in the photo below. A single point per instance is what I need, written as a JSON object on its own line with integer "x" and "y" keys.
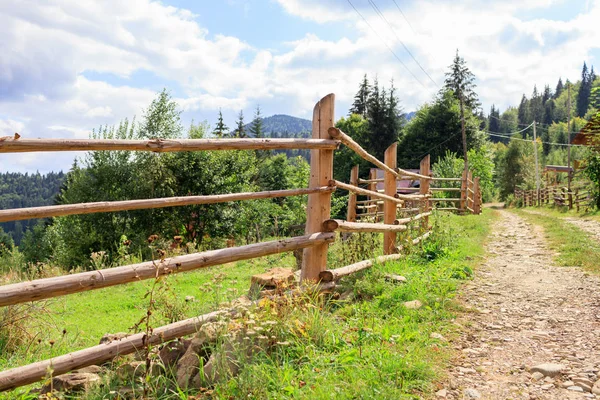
{"x": 569, "y": 149}
{"x": 464, "y": 132}
{"x": 537, "y": 168}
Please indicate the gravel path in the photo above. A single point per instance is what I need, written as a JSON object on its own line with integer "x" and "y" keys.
{"x": 524, "y": 311}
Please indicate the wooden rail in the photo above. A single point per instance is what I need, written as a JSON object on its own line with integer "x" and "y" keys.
{"x": 335, "y": 274}
{"x": 162, "y": 145}
{"x": 349, "y": 142}
{"x": 366, "y": 192}
{"x": 96, "y": 355}
{"x": 333, "y": 225}
{"x": 111, "y": 206}
{"x": 46, "y": 288}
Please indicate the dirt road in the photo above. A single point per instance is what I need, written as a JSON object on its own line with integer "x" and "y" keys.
{"x": 525, "y": 312}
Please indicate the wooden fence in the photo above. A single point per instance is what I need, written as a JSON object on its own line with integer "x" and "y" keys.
{"x": 578, "y": 198}
{"x": 319, "y": 231}
{"x": 459, "y": 195}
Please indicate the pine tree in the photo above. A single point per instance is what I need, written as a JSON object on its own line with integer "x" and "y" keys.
{"x": 256, "y": 128}
{"x": 494, "y": 119}
{"x": 536, "y": 106}
{"x": 547, "y": 94}
{"x": 583, "y": 97}
{"x": 559, "y": 88}
{"x": 462, "y": 83}
{"x": 361, "y": 99}
{"x": 524, "y": 114}
{"x": 221, "y": 129}
{"x": 240, "y": 130}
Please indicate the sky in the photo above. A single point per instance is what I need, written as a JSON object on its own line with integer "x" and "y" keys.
{"x": 69, "y": 66}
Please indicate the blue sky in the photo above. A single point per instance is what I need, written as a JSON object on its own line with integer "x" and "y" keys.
{"x": 70, "y": 66}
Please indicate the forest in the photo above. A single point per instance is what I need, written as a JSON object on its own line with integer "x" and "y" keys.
{"x": 499, "y": 150}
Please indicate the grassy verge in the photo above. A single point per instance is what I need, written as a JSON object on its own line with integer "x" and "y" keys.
{"x": 574, "y": 246}
{"x": 366, "y": 346}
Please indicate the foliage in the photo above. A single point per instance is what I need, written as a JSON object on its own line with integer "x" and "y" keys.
{"x": 515, "y": 166}
{"x": 437, "y": 123}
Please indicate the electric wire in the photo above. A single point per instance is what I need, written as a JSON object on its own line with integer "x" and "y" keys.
{"x": 378, "y": 11}
{"x": 385, "y": 43}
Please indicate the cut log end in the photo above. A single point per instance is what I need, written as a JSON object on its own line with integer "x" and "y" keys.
{"x": 331, "y": 225}
{"x": 326, "y": 276}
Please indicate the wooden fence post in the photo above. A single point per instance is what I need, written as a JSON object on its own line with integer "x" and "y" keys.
{"x": 351, "y": 215}
{"x": 463, "y": 192}
{"x": 469, "y": 200}
{"x": 476, "y": 197}
{"x": 424, "y": 184}
{"x": 318, "y": 209}
{"x": 389, "y": 207}
{"x": 373, "y": 188}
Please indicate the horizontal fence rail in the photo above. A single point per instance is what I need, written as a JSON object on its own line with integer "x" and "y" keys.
{"x": 350, "y": 143}
{"x": 335, "y": 274}
{"x": 333, "y": 225}
{"x": 46, "y": 288}
{"x": 162, "y": 145}
{"x": 95, "y": 355}
{"x": 126, "y": 205}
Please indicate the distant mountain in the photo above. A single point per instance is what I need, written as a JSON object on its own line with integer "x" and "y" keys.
{"x": 410, "y": 115}
{"x": 281, "y": 125}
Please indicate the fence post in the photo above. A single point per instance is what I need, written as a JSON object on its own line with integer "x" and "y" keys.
{"x": 318, "y": 209}
{"x": 389, "y": 207}
{"x": 424, "y": 184}
{"x": 469, "y": 200}
{"x": 476, "y": 197}
{"x": 351, "y": 216}
{"x": 373, "y": 188}
{"x": 463, "y": 192}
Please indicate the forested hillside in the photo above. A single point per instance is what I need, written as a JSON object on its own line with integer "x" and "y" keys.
{"x": 19, "y": 190}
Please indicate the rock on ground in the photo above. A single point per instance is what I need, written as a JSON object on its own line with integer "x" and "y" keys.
{"x": 71, "y": 382}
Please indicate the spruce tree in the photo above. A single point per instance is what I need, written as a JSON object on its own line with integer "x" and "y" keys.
{"x": 547, "y": 94}
{"x": 536, "y": 106}
{"x": 361, "y": 98}
{"x": 220, "y": 129}
{"x": 256, "y": 128}
{"x": 494, "y": 119}
{"x": 583, "y": 97}
{"x": 462, "y": 83}
{"x": 240, "y": 130}
{"x": 559, "y": 88}
{"x": 524, "y": 114}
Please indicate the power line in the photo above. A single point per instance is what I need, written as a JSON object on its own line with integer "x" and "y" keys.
{"x": 529, "y": 141}
{"x": 511, "y": 133}
{"x": 413, "y": 30}
{"x": 378, "y": 11}
{"x": 386, "y": 45}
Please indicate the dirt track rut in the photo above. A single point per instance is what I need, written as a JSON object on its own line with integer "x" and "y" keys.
{"x": 525, "y": 311}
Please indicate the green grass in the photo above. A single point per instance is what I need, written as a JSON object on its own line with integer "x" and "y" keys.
{"x": 574, "y": 246}
{"x": 370, "y": 347}
{"x": 87, "y": 316}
